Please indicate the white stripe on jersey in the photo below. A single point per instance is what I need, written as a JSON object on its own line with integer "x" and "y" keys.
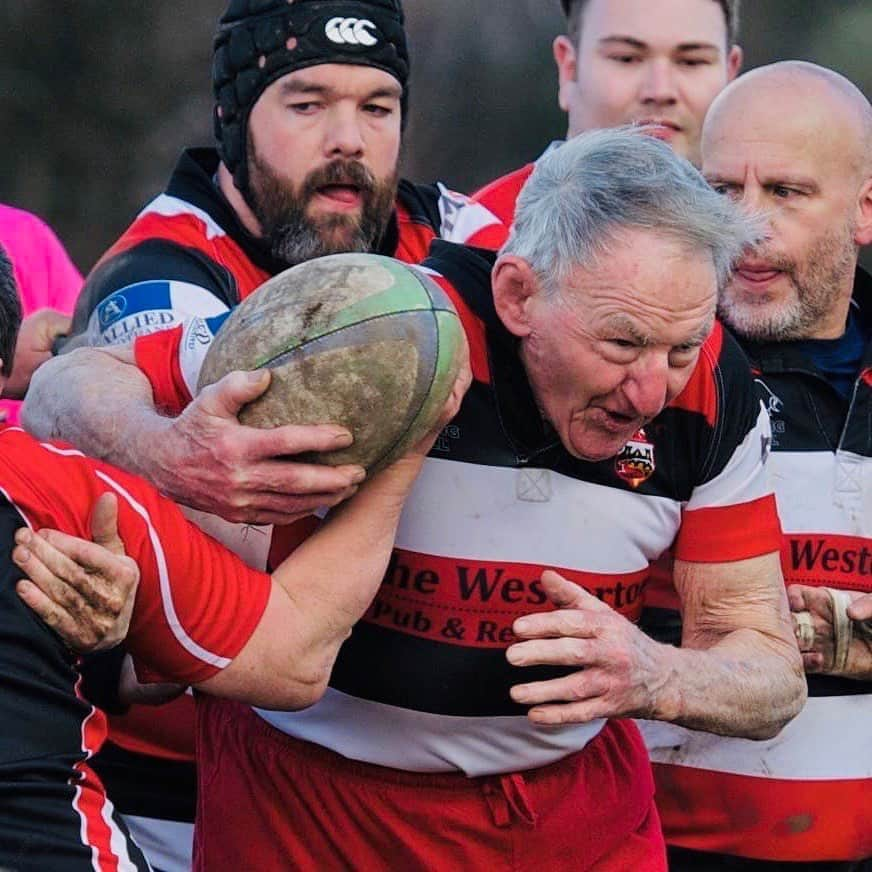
{"x": 182, "y": 637}
{"x": 829, "y": 739}
{"x": 119, "y": 841}
{"x": 821, "y": 491}
{"x": 473, "y": 511}
{"x": 746, "y": 476}
{"x": 460, "y": 217}
{"x": 169, "y": 206}
{"x": 422, "y": 742}
{"x": 195, "y": 342}
{"x": 118, "y": 856}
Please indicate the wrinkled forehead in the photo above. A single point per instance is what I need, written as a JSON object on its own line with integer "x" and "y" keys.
{"x": 656, "y": 287}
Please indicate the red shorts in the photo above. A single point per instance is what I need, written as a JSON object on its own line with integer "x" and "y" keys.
{"x": 267, "y": 801}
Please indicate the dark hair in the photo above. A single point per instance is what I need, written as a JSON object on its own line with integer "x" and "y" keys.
{"x": 10, "y": 313}
{"x": 575, "y": 8}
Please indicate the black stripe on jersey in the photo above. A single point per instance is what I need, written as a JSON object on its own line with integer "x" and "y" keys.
{"x": 383, "y": 665}
{"x": 39, "y": 711}
{"x": 147, "y": 786}
{"x": 834, "y": 685}
{"x": 41, "y": 832}
{"x": 421, "y": 202}
{"x": 41, "y": 738}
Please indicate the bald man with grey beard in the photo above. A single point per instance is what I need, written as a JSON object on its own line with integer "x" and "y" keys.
{"x": 792, "y": 142}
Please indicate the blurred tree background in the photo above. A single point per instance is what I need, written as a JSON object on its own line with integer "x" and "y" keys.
{"x": 98, "y": 96}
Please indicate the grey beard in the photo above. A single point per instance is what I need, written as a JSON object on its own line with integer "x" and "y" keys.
{"x": 298, "y": 240}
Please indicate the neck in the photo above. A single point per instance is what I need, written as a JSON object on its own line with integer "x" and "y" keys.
{"x": 234, "y": 196}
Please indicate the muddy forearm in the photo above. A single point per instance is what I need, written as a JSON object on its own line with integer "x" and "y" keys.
{"x": 98, "y": 402}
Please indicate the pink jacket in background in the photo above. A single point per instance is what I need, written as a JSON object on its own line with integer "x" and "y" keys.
{"x": 45, "y": 274}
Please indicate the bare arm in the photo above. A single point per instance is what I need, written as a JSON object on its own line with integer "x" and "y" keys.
{"x": 738, "y": 673}
{"x": 739, "y": 670}
{"x": 99, "y": 400}
{"x": 318, "y": 593}
{"x": 86, "y": 593}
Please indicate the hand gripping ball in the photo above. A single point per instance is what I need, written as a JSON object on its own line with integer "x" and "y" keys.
{"x": 358, "y": 340}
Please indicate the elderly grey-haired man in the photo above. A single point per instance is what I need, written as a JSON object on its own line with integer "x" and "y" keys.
{"x": 609, "y": 418}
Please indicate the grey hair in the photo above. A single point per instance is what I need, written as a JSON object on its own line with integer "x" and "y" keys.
{"x": 582, "y": 194}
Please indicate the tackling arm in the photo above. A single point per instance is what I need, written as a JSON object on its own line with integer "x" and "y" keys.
{"x": 99, "y": 400}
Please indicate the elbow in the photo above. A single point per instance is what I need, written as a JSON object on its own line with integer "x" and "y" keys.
{"x": 301, "y": 686}
{"x": 292, "y": 696}
{"x": 791, "y": 697}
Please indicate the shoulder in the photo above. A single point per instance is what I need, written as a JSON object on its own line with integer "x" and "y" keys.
{"x": 174, "y": 261}
{"x": 51, "y": 484}
{"x": 448, "y": 214}
{"x": 500, "y": 195}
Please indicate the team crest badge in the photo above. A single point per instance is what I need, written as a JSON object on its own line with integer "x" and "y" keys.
{"x": 635, "y": 463}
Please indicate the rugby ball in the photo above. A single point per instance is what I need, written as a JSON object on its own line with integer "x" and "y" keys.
{"x": 359, "y": 340}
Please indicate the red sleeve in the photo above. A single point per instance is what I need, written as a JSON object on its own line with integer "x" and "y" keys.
{"x": 500, "y": 196}
{"x": 492, "y": 237}
{"x": 157, "y": 355}
{"x": 197, "y": 604}
{"x": 722, "y": 534}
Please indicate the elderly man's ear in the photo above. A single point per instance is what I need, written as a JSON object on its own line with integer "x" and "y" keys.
{"x": 516, "y": 290}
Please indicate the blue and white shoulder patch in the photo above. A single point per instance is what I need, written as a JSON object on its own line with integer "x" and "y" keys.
{"x": 149, "y": 306}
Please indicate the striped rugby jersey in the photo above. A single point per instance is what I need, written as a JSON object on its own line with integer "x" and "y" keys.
{"x": 423, "y": 683}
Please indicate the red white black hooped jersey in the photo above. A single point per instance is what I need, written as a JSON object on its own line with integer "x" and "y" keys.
{"x": 807, "y": 794}
{"x": 423, "y": 682}
{"x": 196, "y": 607}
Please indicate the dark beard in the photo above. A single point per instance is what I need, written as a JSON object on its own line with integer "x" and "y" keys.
{"x": 295, "y": 237}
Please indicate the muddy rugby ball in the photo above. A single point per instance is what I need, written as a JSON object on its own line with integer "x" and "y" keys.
{"x": 359, "y": 340}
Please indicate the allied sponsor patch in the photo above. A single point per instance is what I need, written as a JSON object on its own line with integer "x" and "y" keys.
{"x": 145, "y": 307}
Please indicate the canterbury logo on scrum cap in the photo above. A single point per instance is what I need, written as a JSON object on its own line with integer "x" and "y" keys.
{"x": 351, "y": 31}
